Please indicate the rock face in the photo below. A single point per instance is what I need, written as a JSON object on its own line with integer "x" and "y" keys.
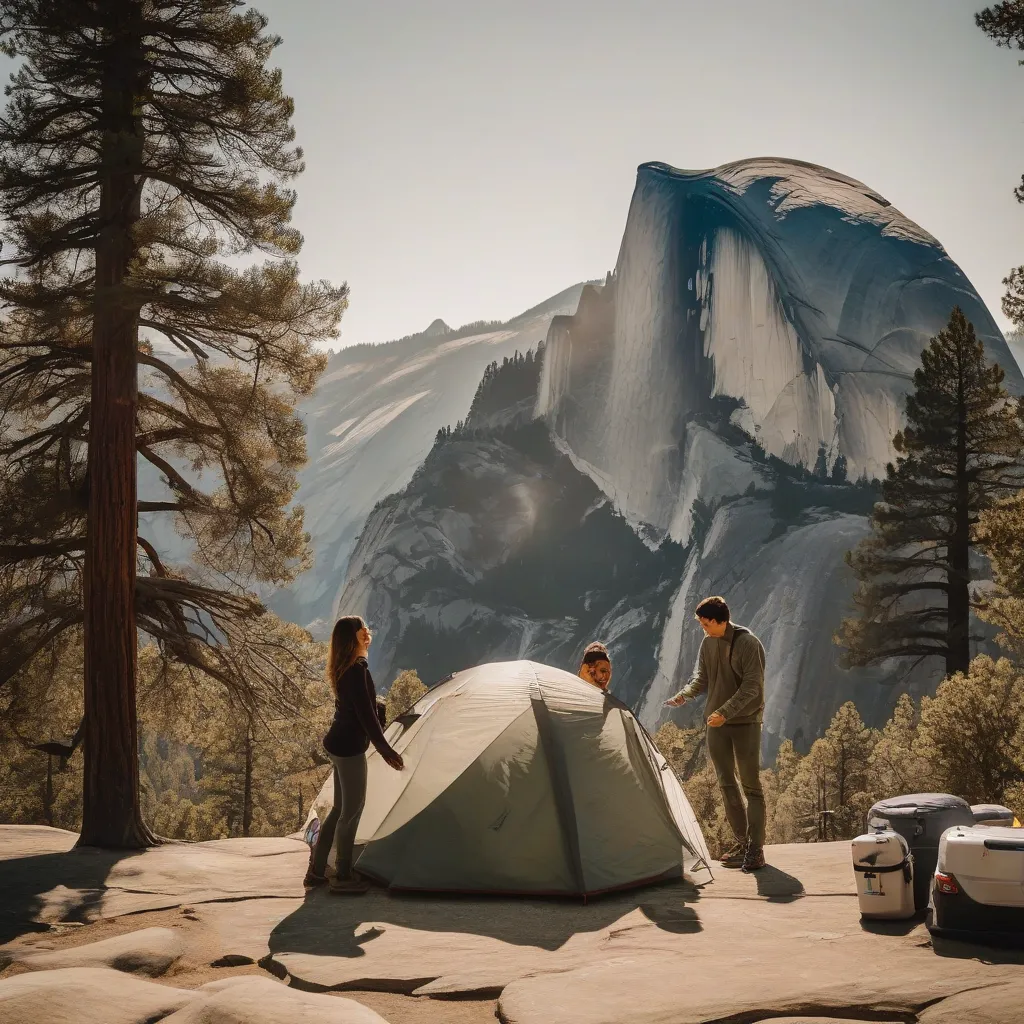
{"x": 799, "y": 297}
{"x": 711, "y": 420}
{"x": 1016, "y": 346}
{"x": 372, "y": 422}
{"x": 748, "y": 359}
{"x": 499, "y": 548}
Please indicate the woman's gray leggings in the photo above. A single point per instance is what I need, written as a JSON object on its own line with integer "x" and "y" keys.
{"x": 339, "y": 827}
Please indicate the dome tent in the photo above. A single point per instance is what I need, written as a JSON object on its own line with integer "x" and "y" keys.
{"x": 523, "y": 779}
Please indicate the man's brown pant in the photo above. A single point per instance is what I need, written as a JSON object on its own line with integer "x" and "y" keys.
{"x": 732, "y": 748}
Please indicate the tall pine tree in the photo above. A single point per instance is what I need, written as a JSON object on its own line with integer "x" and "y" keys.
{"x": 145, "y": 151}
{"x": 1001, "y": 535}
{"x": 959, "y": 453}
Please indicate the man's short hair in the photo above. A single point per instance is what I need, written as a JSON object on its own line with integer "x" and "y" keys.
{"x": 713, "y": 608}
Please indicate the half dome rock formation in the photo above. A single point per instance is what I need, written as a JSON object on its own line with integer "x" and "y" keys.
{"x": 763, "y": 324}
{"x": 795, "y": 297}
{"x": 712, "y": 419}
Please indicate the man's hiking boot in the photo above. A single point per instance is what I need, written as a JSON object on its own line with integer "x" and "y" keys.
{"x": 349, "y": 886}
{"x": 735, "y": 857}
{"x": 754, "y": 860}
{"x": 312, "y": 879}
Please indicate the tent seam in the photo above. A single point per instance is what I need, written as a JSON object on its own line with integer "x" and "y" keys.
{"x": 558, "y": 777}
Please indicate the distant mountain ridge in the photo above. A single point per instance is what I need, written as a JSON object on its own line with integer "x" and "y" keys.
{"x": 372, "y": 422}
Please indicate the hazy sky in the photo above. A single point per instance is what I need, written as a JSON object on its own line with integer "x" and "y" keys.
{"x": 469, "y": 158}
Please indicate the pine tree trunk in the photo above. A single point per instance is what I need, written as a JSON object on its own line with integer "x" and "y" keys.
{"x": 247, "y": 785}
{"x": 48, "y": 796}
{"x": 958, "y": 621}
{"x": 111, "y": 813}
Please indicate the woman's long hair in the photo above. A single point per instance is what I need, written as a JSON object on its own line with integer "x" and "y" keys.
{"x": 344, "y": 644}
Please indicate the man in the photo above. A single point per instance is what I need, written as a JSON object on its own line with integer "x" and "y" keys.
{"x": 730, "y": 667}
{"x": 596, "y": 666}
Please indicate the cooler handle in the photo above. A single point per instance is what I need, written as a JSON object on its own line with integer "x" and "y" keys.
{"x": 903, "y": 866}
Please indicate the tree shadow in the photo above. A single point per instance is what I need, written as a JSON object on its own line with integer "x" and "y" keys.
{"x": 66, "y": 885}
{"x": 330, "y": 925}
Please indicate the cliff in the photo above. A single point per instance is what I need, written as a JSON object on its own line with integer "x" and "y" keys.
{"x": 711, "y": 419}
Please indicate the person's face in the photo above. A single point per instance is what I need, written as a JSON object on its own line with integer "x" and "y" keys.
{"x": 712, "y": 628}
{"x": 365, "y": 637}
{"x": 601, "y": 674}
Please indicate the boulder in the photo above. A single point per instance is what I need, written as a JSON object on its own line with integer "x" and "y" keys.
{"x": 90, "y": 995}
{"x": 151, "y": 951}
{"x": 262, "y": 1001}
{"x": 86, "y": 995}
{"x": 755, "y": 983}
{"x": 992, "y": 1004}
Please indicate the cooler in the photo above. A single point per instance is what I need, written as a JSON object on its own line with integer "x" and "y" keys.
{"x": 978, "y": 887}
{"x": 884, "y": 869}
{"x": 921, "y": 818}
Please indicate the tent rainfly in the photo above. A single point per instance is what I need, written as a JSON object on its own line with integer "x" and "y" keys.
{"x": 523, "y": 779}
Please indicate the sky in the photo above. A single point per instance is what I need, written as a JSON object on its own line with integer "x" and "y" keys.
{"x": 466, "y": 159}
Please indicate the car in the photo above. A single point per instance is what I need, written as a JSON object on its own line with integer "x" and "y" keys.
{"x": 978, "y": 888}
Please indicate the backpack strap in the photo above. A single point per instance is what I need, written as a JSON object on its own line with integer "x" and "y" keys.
{"x": 736, "y": 630}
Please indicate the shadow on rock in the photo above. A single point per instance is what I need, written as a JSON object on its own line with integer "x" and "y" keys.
{"x": 878, "y": 926}
{"x": 333, "y": 925}
{"x": 962, "y": 949}
{"x": 65, "y": 885}
{"x": 778, "y": 885}
{"x": 677, "y": 919}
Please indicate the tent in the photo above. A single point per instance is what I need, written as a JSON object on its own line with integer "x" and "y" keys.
{"x": 523, "y": 779}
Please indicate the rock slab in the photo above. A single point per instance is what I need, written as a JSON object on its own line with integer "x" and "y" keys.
{"x": 96, "y": 995}
{"x": 86, "y": 995}
{"x": 262, "y": 1001}
{"x": 150, "y": 952}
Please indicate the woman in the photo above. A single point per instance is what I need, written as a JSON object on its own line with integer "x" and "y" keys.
{"x": 354, "y": 728}
{"x": 596, "y": 666}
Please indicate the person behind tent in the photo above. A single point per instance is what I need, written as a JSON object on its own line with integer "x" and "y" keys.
{"x": 356, "y": 725}
{"x": 596, "y": 666}
{"x": 730, "y": 667}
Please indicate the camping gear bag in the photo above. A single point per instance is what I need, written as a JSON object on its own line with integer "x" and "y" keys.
{"x": 979, "y": 884}
{"x": 884, "y": 869}
{"x": 921, "y": 818}
{"x": 994, "y": 814}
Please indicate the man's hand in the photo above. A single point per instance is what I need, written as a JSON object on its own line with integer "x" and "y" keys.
{"x": 716, "y": 720}
{"x": 674, "y": 702}
{"x": 396, "y": 762}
